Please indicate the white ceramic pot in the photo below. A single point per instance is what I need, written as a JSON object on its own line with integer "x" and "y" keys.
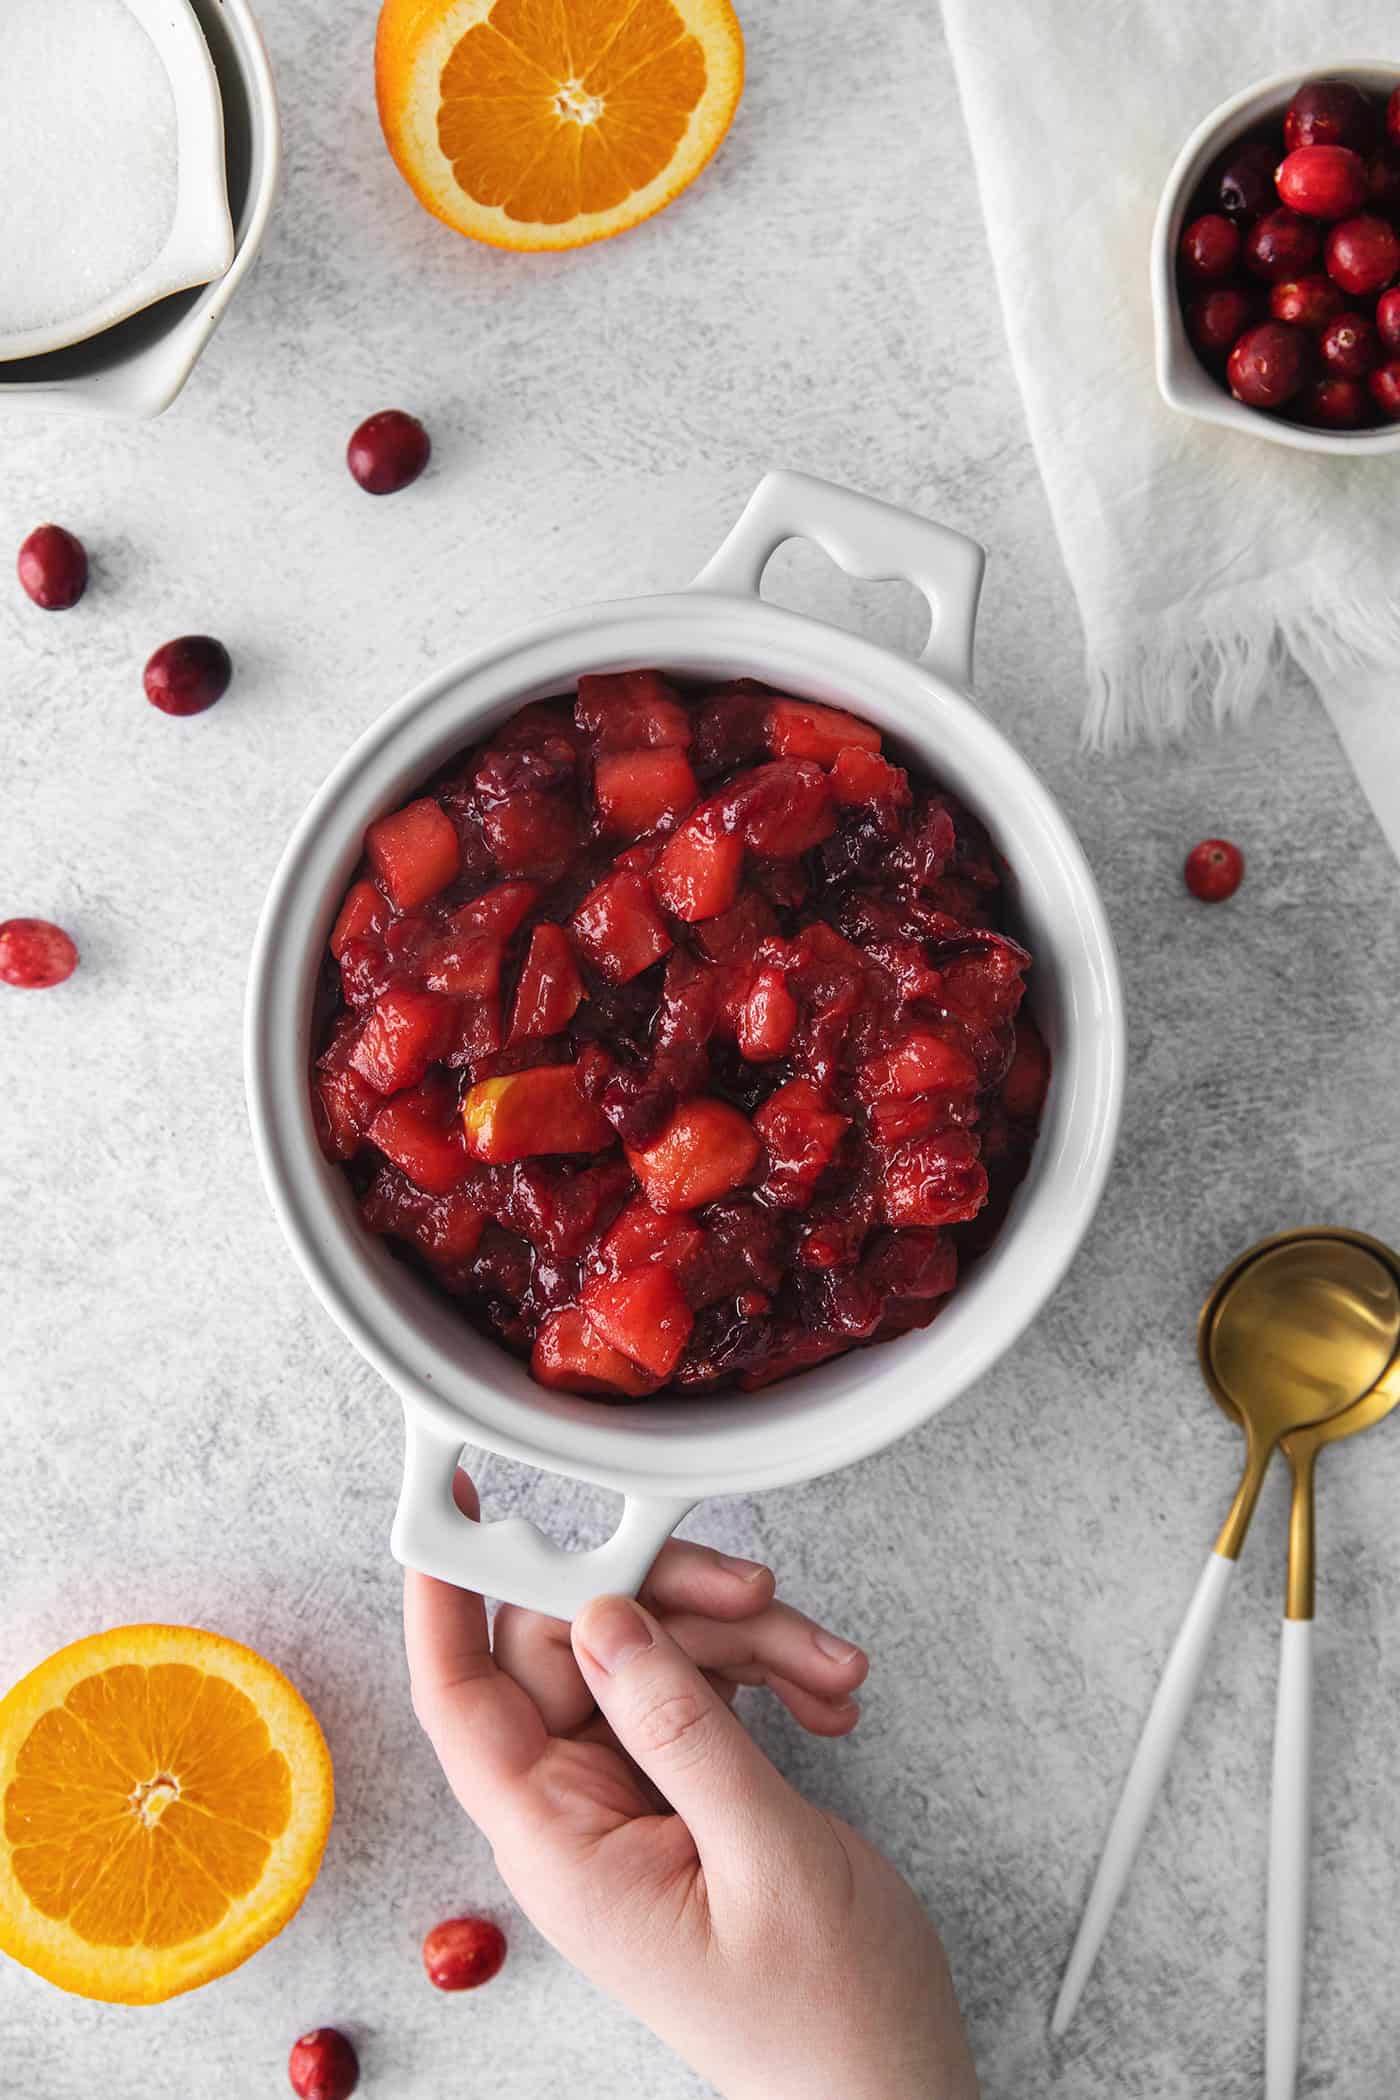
{"x": 663, "y": 1456}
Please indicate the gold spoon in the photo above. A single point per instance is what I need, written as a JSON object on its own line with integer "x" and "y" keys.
{"x": 1378, "y": 1267}
{"x": 1296, "y": 1330}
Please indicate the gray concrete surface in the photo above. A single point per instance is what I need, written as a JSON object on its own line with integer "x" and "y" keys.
{"x": 185, "y": 1434}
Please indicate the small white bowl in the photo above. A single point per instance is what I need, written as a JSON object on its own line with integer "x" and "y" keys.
{"x": 1184, "y": 381}
{"x": 138, "y": 366}
{"x": 199, "y": 243}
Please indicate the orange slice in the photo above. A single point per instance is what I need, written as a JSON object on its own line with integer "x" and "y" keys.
{"x": 552, "y": 123}
{"x": 164, "y": 1801}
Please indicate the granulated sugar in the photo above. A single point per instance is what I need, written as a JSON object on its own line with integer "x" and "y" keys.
{"x": 88, "y": 156}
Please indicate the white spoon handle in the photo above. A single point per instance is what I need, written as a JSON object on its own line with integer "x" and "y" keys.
{"x": 1144, "y": 1782}
{"x": 1288, "y": 1860}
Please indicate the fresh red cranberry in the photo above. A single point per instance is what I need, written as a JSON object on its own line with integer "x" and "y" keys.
{"x": 1334, "y": 404}
{"x": 1385, "y": 390}
{"x": 1210, "y": 247}
{"x": 187, "y": 675}
{"x": 462, "y": 1953}
{"x": 1218, "y": 317}
{"x": 35, "y": 954}
{"x": 1281, "y": 244}
{"x": 1350, "y": 346}
{"x": 323, "y": 2066}
{"x": 1329, "y": 113}
{"x": 53, "y": 567}
{"x": 1306, "y": 302}
{"x": 1388, "y": 318}
{"x": 1245, "y": 185}
{"x": 1214, "y": 870}
{"x": 1324, "y": 182}
{"x": 388, "y": 451}
{"x": 1363, "y": 254}
{"x": 1392, "y": 117}
{"x": 1268, "y": 365}
{"x": 1383, "y": 181}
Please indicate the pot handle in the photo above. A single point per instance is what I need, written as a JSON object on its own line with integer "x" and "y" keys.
{"x": 511, "y": 1559}
{"x": 869, "y": 539}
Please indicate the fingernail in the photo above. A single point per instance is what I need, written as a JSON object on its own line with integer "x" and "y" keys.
{"x": 742, "y": 1570}
{"x": 612, "y": 1631}
{"x": 834, "y": 1648}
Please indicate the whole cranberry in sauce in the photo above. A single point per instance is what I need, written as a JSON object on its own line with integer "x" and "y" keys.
{"x": 1245, "y": 185}
{"x": 188, "y": 675}
{"x": 1324, "y": 182}
{"x": 1363, "y": 254}
{"x": 1218, "y": 317}
{"x": 323, "y": 2066}
{"x": 1334, "y": 404}
{"x": 1306, "y": 302}
{"x": 52, "y": 568}
{"x": 1281, "y": 244}
{"x": 1210, "y": 248}
{"x": 1214, "y": 870}
{"x": 1383, "y": 181}
{"x": 1388, "y": 318}
{"x": 1350, "y": 346}
{"x": 1268, "y": 365}
{"x": 388, "y": 451}
{"x": 1329, "y": 113}
{"x": 35, "y": 954}
{"x": 1385, "y": 389}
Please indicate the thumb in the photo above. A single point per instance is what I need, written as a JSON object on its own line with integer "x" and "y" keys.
{"x": 673, "y": 1724}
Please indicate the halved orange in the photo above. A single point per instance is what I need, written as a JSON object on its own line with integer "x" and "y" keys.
{"x": 552, "y": 123}
{"x": 165, "y": 1796}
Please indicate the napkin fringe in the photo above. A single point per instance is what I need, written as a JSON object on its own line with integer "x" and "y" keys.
{"x": 1208, "y": 661}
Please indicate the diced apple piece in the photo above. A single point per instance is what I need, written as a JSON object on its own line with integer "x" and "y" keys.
{"x": 343, "y": 1103}
{"x": 619, "y": 928}
{"x": 801, "y": 1133}
{"x": 893, "y": 1121}
{"x": 782, "y": 809}
{"x": 420, "y": 1130}
{"x": 638, "y": 791}
{"x": 642, "y": 1313}
{"x": 498, "y": 910}
{"x": 805, "y": 729}
{"x": 446, "y": 1228}
{"x": 630, "y": 711}
{"x": 570, "y": 1356}
{"x": 861, "y": 778}
{"x": 550, "y": 988}
{"x": 524, "y": 1113}
{"x": 467, "y": 965}
{"x": 923, "y": 1063}
{"x": 640, "y": 1234}
{"x": 934, "y": 1181}
{"x": 767, "y": 1017}
{"x": 363, "y": 917}
{"x": 697, "y": 871}
{"x": 985, "y": 987}
{"x": 705, "y": 1150}
{"x": 406, "y": 1031}
{"x": 414, "y": 852}
{"x": 1023, "y": 1089}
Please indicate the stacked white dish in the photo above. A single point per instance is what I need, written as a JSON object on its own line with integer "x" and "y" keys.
{"x": 137, "y": 210}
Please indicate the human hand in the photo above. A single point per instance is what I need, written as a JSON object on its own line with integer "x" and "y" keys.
{"x": 765, "y": 1941}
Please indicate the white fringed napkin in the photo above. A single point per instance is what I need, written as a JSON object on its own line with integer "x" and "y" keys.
{"x": 1200, "y": 557}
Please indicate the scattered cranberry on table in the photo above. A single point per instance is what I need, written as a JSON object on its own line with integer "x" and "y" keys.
{"x": 323, "y": 2066}
{"x": 388, "y": 451}
{"x": 462, "y": 1953}
{"x": 35, "y": 954}
{"x": 1289, "y": 262}
{"x": 188, "y": 675}
{"x": 52, "y": 567}
{"x": 1214, "y": 870}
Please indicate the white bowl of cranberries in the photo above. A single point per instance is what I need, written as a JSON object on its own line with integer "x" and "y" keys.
{"x": 1276, "y": 263}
